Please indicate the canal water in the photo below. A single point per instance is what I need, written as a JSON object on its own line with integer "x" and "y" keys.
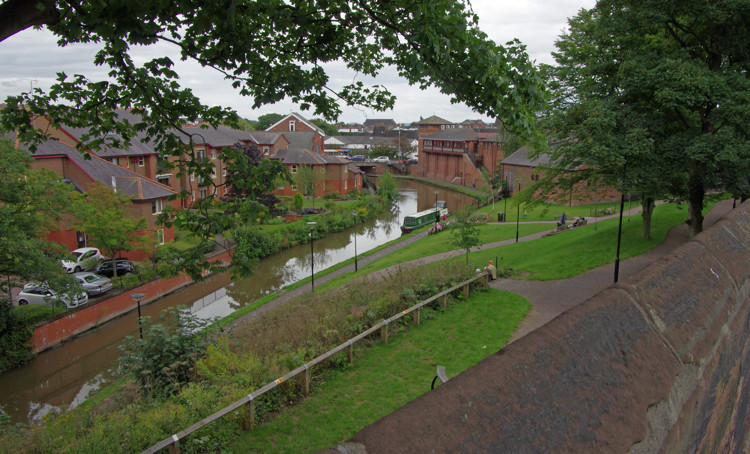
{"x": 65, "y": 376}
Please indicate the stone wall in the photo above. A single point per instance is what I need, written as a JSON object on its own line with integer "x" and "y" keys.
{"x": 657, "y": 363}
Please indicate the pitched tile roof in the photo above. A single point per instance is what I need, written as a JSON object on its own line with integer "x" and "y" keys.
{"x": 98, "y": 169}
{"x": 433, "y": 120}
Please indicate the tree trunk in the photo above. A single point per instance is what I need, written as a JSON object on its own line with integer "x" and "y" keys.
{"x": 695, "y": 204}
{"x": 648, "y": 204}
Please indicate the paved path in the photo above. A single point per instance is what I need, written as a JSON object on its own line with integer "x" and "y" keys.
{"x": 548, "y": 298}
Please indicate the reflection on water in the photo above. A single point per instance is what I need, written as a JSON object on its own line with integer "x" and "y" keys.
{"x": 65, "y": 376}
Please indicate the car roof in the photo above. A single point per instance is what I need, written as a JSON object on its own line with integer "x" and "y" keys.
{"x": 84, "y": 249}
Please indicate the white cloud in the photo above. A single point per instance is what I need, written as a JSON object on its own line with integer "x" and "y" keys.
{"x": 32, "y": 58}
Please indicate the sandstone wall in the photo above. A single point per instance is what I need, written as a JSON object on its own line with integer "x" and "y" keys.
{"x": 657, "y": 363}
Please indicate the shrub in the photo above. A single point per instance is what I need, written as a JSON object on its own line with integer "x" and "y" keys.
{"x": 298, "y": 201}
{"x": 164, "y": 360}
{"x": 14, "y": 337}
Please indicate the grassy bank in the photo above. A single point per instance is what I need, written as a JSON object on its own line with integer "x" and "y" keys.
{"x": 386, "y": 377}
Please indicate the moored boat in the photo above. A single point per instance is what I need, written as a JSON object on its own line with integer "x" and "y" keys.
{"x": 422, "y": 218}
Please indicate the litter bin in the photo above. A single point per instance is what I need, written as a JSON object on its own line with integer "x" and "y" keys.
{"x": 500, "y": 217}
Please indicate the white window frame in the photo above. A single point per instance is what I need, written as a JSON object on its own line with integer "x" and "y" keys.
{"x": 292, "y": 125}
{"x": 224, "y": 172}
{"x": 293, "y": 168}
{"x": 159, "y": 236}
{"x": 156, "y": 206}
{"x": 141, "y": 162}
{"x": 202, "y": 193}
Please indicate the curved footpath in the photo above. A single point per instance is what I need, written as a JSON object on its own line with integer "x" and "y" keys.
{"x": 548, "y": 298}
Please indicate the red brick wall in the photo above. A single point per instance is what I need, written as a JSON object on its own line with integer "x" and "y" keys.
{"x": 87, "y": 317}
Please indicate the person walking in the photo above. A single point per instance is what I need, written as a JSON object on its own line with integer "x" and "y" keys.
{"x": 563, "y": 218}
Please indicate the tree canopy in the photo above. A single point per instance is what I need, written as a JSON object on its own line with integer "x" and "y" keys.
{"x": 269, "y": 51}
{"x": 652, "y": 97}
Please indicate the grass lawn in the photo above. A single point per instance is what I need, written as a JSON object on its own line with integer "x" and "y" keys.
{"x": 386, "y": 377}
{"x": 546, "y": 211}
{"x": 574, "y": 251}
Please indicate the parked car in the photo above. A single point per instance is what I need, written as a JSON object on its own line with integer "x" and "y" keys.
{"x": 93, "y": 284}
{"x": 35, "y": 293}
{"x": 383, "y": 159}
{"x": 83, "y": 259}
{"x": 124, "y": 266}
{"x": 359, "y": 157}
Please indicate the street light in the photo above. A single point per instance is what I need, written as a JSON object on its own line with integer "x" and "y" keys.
{"x": 312, "y": 255}
{"x": 518, "y": 212}
{"x": 138, "y": 297}
{"x": 355, "y": 240}
{"x": 437, "y": 213}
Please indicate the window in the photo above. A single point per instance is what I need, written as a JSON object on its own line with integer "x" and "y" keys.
{"x": 156, "y": 206}
{"x": 224, "y": 172}
{"x": 202, "y": 193}
{"x": 293, "y": 168}
{"x": 213, "y": 154}
{"x": 265, "y": 150}
{"x": 294, "y": 187}
{"x": 141, "y": 162}
{"x": 213, "y": 172}
{"x": 346, "y": 185}
{"x": 159, "y": 236}
{"x": 200, "y": 154}
{"x": 192, "y": 196}
{"x": 292, "y": 125}
{"x": 115, "y": 161}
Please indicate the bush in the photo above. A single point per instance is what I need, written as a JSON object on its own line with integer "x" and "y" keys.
{"x": 298, "y": 201}
{"x": 164, "y": 360}
{"x": 14, "y": 338}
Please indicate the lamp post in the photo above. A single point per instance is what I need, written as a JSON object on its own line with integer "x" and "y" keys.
{"x": 619, "y": 236}
{"x": 437, "y": 213}
{"x": 355, "y": 241}
{"x": 518, "y": 212}
{"x": 312, "y": 255}
{"x": 138, "y": 297}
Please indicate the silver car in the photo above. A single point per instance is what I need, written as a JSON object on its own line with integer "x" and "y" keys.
{"x": 41, "y": 294}
{"x": 92, "y": 283}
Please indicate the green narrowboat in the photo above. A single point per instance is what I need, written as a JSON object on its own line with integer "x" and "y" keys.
{"x": 428, "y": 216}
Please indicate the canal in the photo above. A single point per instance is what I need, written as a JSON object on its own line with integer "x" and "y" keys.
{"x": 65, "y": 376}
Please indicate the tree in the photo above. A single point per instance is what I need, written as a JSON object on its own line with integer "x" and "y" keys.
{"x": 328, "y": 129}
{"x": 387, "y": 187}
{"x": 383, "y": 150}
{"x": 270, "y": 51}
{"x": 649, "y": 97}
{"x": 309, "y": 180}
{"x": 103, "y": 215}
{"x": 30, "y": 203}
{"x": 264, "y": 121}
{"x": 464, "y": 233}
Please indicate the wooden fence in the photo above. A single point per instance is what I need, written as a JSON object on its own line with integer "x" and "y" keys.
{"x": 247, "y": 403}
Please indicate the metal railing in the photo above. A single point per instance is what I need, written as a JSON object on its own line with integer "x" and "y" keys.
{"x": 247, "y": 403}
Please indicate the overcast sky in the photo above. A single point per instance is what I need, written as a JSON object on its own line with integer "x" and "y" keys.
{"x": 32, "y": 58}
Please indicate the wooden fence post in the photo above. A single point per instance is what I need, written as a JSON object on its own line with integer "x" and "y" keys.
{"x": 384, "y": 333}
{"x": 174, "y": 448}
{"x": 444, "y": 301}
{"x": 248, "y": 419}
{"x": 306, "y": 381}
{"x": 486, "y": 280}
{"x": 466, "y": 290}
{"x": 350, "y": 352}
{"x": 416, "y": 315}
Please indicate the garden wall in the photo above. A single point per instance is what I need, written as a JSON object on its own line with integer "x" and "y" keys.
{"x": 90, "y": 316}
{"x": 657, "y": 363}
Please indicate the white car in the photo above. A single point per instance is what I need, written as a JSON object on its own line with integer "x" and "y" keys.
{"x": 381, "y": 159}
{"x": 85, "y": 258}
{"x": 34, "y": 293}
